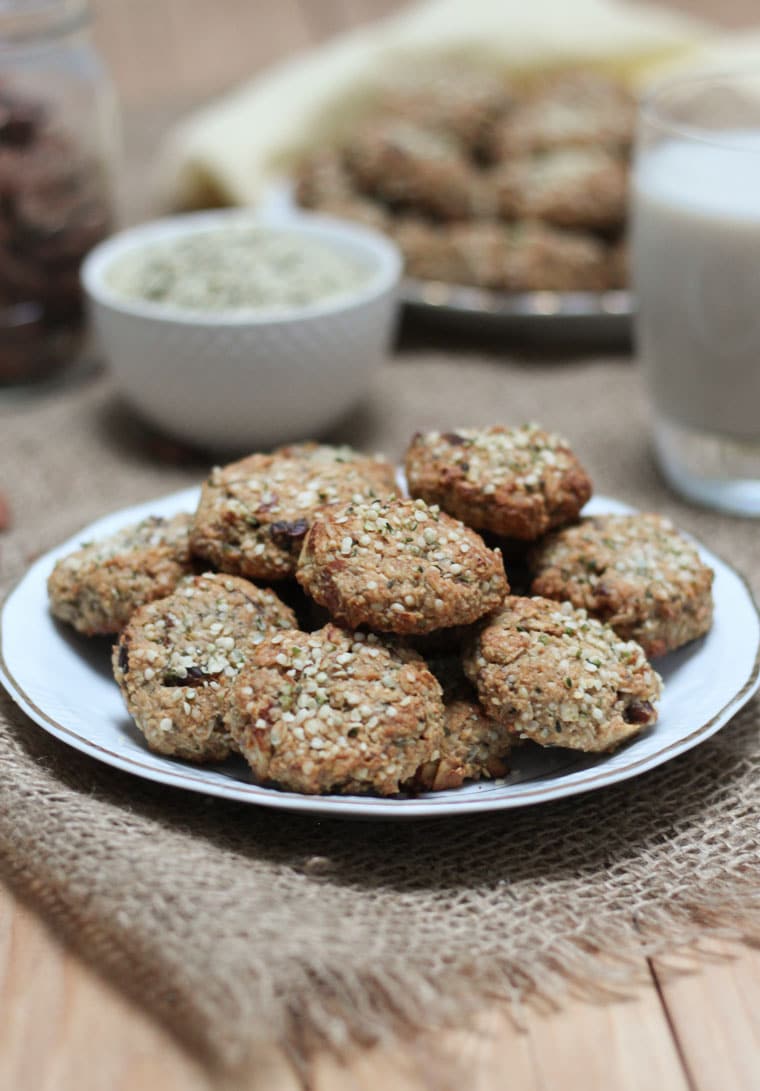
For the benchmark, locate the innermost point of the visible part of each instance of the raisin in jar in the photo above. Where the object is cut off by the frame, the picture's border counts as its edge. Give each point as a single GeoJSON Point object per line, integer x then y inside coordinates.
{"type": "Point", "coordinates": [58, 140]}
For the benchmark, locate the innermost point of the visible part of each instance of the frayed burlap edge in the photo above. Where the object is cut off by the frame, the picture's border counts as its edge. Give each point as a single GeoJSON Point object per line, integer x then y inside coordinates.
{"type": "Point", "coordinates": [341, 1007]}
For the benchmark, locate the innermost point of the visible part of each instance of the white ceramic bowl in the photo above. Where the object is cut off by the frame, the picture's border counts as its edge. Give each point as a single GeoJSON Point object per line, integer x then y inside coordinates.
{"type": "Point", "coordinates": [248, 379]}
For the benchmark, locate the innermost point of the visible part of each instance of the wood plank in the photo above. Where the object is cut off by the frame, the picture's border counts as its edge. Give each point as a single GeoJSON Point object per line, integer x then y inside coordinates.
{"type": "Point", "coordinates": [332, 16]}
{"type": "Point", "coordinates": [67, 1030]}
{"type": "Point", "coordinates": [474, 1059]}
{"type": "Point", "coordinates": [64, 1029]}
{"type": "Point", "coordinates": [735, 13]}
{"type": "Point", "coordinates": [623, 1045]}
{"type": "Point", "coordinates": [715, 1014]}
{"type": "Point", "coordinates": [190, 50]}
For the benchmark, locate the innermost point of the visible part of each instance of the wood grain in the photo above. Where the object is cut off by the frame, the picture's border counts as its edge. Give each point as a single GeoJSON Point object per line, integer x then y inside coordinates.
{"type": "Point", "coordinates": [64, 1029]}
{"type": "Point", "coordinates": [67, 1030]}
{"type": "Point", "coordinates": [714, 1014]}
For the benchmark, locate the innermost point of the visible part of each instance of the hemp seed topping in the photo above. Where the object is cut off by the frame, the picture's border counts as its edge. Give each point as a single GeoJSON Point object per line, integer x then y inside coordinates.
{"type": "Point", "coordinates": [99, 586]}
{"type": "Point", "coordinates": [335, 711]}
{"type": "Point", "coordinates": [253, 514]}
{"type": "Point", "coordinates": [399, 566]}
{"type": "Point", "coordinates": [560, 678]}
{"type": "Point", "coordinates": [515, 482]}
{"type": "Point", "coordinates": [636, 572]}
{"type": "Point", "coordinates": [177, 658]}
{"type": "Point", "coordinates": [235, 268]}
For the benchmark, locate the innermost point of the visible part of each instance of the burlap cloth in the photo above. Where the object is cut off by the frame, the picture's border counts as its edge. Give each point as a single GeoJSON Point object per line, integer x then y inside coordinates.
{"type": "Point", "coordinates": [237, 925]}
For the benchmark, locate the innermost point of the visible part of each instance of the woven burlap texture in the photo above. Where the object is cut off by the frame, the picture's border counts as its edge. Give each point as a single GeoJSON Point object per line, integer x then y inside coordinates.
{"type": "Point", "coordinates": [238, 926]}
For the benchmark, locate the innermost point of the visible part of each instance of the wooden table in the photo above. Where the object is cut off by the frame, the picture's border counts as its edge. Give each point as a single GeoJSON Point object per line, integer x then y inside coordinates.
{"type": "Point", "coordinates": [64, 1029]}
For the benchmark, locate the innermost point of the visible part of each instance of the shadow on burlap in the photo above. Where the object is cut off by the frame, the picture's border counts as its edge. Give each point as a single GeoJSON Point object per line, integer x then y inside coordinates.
{"type": "Point", "coordinates": [239, 926]}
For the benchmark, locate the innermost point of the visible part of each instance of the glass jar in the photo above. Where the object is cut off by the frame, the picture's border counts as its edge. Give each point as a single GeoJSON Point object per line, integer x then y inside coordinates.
{"type": "Point", "coordinates": [58, 145]}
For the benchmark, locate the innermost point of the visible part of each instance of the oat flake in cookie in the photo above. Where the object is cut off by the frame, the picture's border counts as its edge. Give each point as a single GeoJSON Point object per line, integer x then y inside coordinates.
{"type": "Point", "coordinates": [560, 678]}
{"type": "Point", "coordinates": [409, 166]}
{"type": "Point", "coordinates": [176, 659]}
{"type": "Point", "coordinates": [253, 514]}
{"type": "Point", "coordinates": [516, 482]}
{"type": "Point", "coordinates": [636, 572]}
{"type": "Point", "coordinates": [569, 187]}
{"type": "Point", "coordinates": [334, 711]}
{"type": "Point", "coordinates": [474, 745]}
{"type": "Point", "coordinates": [517, 257]}
{"type": "Point", "coordinates": [399, 566]}
{"type": "Point", "coordinates": [98, 587]}
{"type": "Point", "coordinates": [580, 109]}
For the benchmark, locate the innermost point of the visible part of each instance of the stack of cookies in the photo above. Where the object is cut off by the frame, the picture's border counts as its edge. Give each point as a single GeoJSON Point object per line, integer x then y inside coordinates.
{"type": "Point", "coordinates": [344, 637]}
{"type": "Point", "coordinates": [485, 183]}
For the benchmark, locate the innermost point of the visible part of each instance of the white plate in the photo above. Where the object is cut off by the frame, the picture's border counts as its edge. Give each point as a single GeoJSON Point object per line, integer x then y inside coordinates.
{"type": "Point", "coordinates": [64, 683]}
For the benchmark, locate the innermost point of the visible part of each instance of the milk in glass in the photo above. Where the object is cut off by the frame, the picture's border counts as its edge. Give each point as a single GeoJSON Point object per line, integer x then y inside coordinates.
{"type": "Point", "coordinates": [696, 264]}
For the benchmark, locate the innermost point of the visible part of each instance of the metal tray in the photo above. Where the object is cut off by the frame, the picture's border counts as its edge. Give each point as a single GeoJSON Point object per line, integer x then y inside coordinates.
{"type": "Point", "coordinates": [579, 315]}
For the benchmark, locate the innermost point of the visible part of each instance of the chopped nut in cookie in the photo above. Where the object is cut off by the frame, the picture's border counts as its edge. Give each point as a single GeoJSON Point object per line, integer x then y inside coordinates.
{"type": "Point", "coordinates": [561, 678]}
{"type": "Point", "coordinates": [336, 711]}
{"type": "Point", "coordinates": [516, 482]}
{"type": "Point", "coordinates": [400, 566]}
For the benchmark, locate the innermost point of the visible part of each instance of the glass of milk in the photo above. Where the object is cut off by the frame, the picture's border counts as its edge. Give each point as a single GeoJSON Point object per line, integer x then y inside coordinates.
{"type": "Point", "coordinates": [696, 272]}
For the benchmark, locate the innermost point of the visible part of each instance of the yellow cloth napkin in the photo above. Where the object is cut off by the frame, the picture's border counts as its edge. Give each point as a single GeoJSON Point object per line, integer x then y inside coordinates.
{"type": "Point", "coordinates": [229, 151]}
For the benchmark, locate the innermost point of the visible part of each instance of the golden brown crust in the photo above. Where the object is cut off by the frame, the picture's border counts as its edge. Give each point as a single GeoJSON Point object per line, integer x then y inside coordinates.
{"type": "Point", "coordinates": [582, 188]}
{"type": "Point", "coordinates": [324, 183]}
{"type": "Point", "coordinates": [176, 660]}
{"type": "Point", "coordinates": [335, 711]}
{"type": "Point", "coordinates": [515, 482]}
{"type": "Point", "coordinates": [399, 566]}
{"type": "Point", "coordinates": [253, 514]}
{"type": "Point", "coordinates": [636, 572]}
{"type": "Point", "coordinates": [410, 166]}
{"type": "Point", "coordinates": [541, 258]}
{"type": "Point", "coordinates": [522, 257]}
{"type": "Point", "coordinates": [560, 678]}
{"type": "Point", "coordinates": [575, 109]}
{"type": "Point", "coordinates": [619, 263]}
{"type": "Point", "coordinates": [463, 103]}
{"type": "Point", "coordinates": [98, 587]}
{"type": "Point", "coordinates": [489, 186]}
{"type": "Point", "coordinates": [474, 747]}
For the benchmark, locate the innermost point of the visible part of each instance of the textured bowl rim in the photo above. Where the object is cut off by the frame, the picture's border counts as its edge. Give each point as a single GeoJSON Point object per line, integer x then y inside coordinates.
{"type": "Point", "coordinates": [370, 244]}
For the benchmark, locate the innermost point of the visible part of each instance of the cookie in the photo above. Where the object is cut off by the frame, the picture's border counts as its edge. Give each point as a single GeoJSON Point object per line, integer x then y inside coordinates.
{"type": "Point", "coordinates": [178, 656]}
{"type": "Point", "coordinates": [575, 109]}
{"type": "Point", "coordinates": [515, 482]}
{"type": "Point", "coordinates": [583, 188]}
{"type": "Point", "coordinates": [459, 254]}
{"type": "Point", "coordinates": [399, 566]}
{"type": "Point", "coordinates": [463, 103]}
{"type": "Point", "coordinates": [98, 587]}
{"type": "Point", "coordinates": [406, 165]}
{"type": "Point", "coordinates": [335, 711]}
{"type": "Point", "coordinates": [561, 678]}
{"type": "Point", "coordinates": [323, 177]}
{"type": "Point", "coordinates": [474, 745]}
{"type": "Point", "coordinates": [324, 184]}
{"type": "Point", "coordinates": [253, 514]}
{"type": "Point", "coordinates": [619, 264]}
{"type": "Point", "coordinates": [504, 257]}
{"type": "Point", "coordinates": [636, 572]}
{"type": "Point", "coordinates": [541, 258]}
